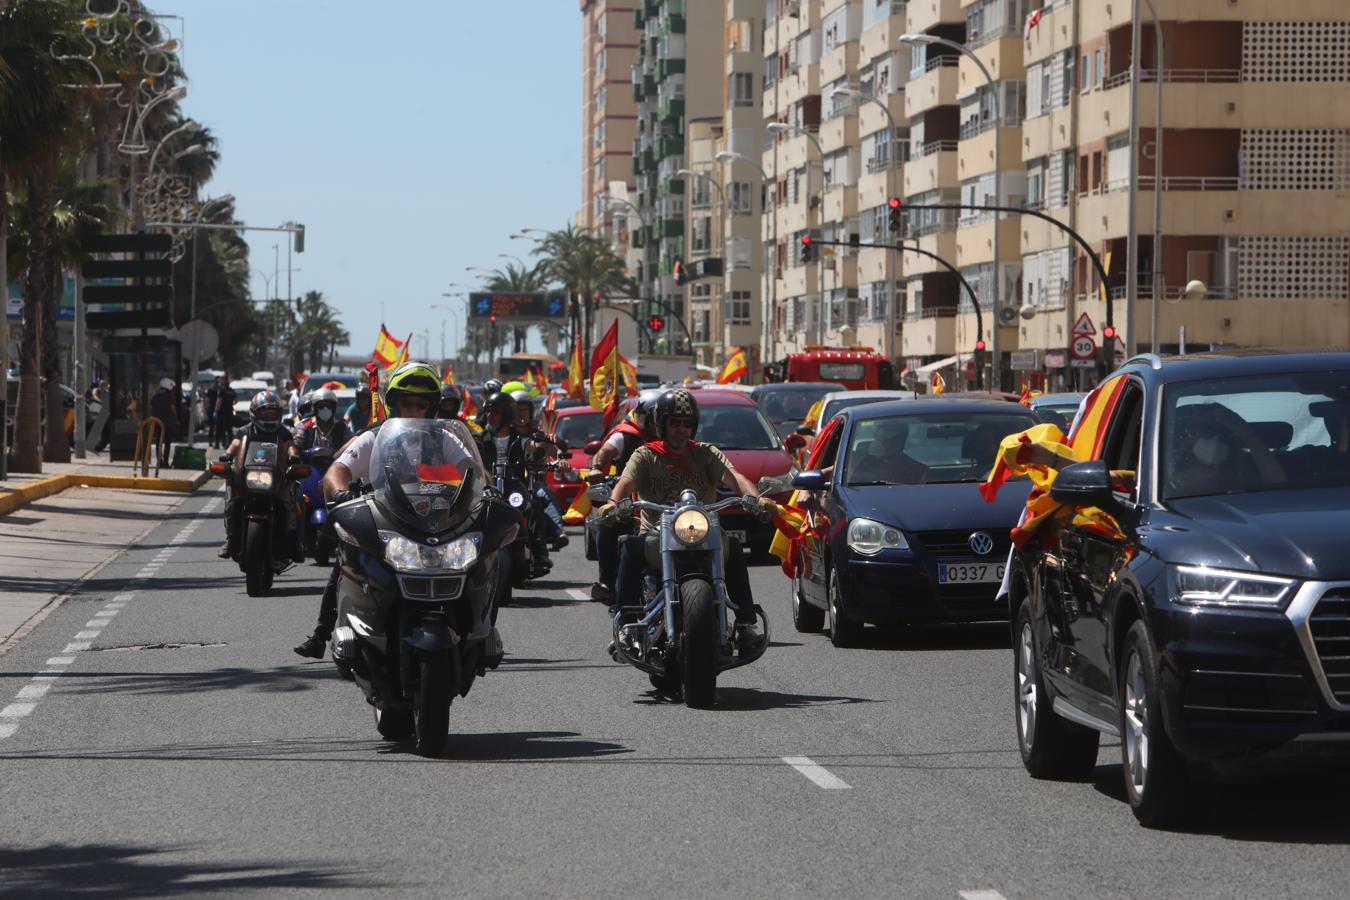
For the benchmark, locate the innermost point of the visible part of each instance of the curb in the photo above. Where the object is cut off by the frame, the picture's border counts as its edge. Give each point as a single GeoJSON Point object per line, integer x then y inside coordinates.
{"type": "Point", "coordinates": [45, 487]}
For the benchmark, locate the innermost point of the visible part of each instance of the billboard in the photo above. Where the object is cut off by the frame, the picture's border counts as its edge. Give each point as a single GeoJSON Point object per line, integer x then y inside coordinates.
{"type": "Point", "coordinates": [517, 306]}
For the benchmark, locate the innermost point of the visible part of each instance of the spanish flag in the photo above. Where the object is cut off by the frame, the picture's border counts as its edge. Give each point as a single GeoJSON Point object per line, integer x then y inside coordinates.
{"type": "Point", "coordinates": [579, 510]}
{"type": "Point", "coordinates": [449, 376]}
{"type": "Point", "coordinates": [445, 473]}
{"type": "Point", "coordinates": [377, 410]}
{"type": "Point", "coordinates": [605, 375]}
{"type": "Point", "coordinates": [541, 381]}
{"type": "Point", "coordinates": [573, 382]}
{"type": "Point", "coordinates": [1087, 438]}
{"type": "Point", "coordinates": [402, 353]}
{"type": "Point", "coordinates": [629, 371]}
{"type": "Point", "coordinates": [736, 366]}
{"type": "Point", "coordinates": [387, 349]}
{"type": "Point", "coordinates": [548, 417]}
{"type": "Point", "coordinates": [939, 384]}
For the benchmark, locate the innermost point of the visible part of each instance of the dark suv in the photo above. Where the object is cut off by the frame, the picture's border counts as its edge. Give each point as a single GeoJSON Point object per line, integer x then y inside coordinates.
{"type": "Point", "coordinates": [1205, 617]}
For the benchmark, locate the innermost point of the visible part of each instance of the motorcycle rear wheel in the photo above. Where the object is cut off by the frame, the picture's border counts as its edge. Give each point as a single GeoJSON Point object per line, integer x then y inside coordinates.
{"type": "Point", "coordinates": [698, 643]}
{"type": "Point", "coordinates": [257, 565]}
{"type": "Point", "coordinates": [431, 707]}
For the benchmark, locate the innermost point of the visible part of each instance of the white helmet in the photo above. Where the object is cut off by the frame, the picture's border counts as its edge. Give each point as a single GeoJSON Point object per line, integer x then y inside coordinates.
{"type": "Point", "coordinates": [166, 383]}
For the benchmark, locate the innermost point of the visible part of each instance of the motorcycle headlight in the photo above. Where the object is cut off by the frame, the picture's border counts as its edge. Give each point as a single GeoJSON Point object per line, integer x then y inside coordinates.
{"type": "Point", "coordinates": [258, 480]}
{"type": "Point", "coordinates": [691, 527]}
{"type": "Point", "coordinates": [1202, 586]}
{"type": "Point", "coordinates": [870, 537]}
{"type": "Point", "coordinates": [516, 499]}
{"type": "Point", "coordinates": [407, 555]}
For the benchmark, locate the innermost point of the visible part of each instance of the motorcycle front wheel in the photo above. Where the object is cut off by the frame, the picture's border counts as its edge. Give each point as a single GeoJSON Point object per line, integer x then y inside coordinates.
{"type": "Point", "coordinates": [257, 561]}
{"type": "Point", "coordinates": [699, 654]}
{"type": "Point", "coordinates": [431, 708]}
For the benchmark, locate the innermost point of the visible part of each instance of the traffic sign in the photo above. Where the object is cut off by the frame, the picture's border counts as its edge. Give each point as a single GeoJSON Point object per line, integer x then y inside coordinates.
{"type": "Point", "coordinates": [1118, 351]}
{"type": "Point", "coordinates": [126, 268]}
{"type": "Point", "coordinates": [1084, 325]}
{"type": "Point", "coordinates": [1083, 347]}
{"type": "Point", "coordinates": [528, 306]}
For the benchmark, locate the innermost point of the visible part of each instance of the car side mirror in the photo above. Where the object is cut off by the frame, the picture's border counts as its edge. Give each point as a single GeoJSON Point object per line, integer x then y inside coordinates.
{"type": "Point", "coordinates": [592, 447]}
{"type": "Point", "coordinates": [1084, 484]}
{"type": "Point", "coordinates": [811, 480]}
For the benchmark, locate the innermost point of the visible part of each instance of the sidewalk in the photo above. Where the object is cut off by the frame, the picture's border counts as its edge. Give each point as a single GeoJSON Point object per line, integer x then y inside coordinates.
{"type": "Point", "coordinates": [95, 471]}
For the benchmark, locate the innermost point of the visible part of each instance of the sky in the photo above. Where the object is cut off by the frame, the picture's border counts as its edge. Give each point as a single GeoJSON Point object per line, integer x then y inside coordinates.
{"type": "Point", "coordinates": [410, 137]}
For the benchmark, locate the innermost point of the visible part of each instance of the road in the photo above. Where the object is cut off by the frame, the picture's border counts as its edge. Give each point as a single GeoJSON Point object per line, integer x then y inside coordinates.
{"type": "Point", "coordinates": [158, 737]}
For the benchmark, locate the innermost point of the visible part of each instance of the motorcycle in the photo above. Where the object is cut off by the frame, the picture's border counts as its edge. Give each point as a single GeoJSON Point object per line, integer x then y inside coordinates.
{"type": "Point", "coordinates": [266, 479]}
{"type": "Point", "coordinates": [317, 541]}
{"type": "Point", "coordinates": [420, 554]}
{"type": "Point", "coordinates": [516, 481]}
{"type": "Point", "coordinates": [679, 636]}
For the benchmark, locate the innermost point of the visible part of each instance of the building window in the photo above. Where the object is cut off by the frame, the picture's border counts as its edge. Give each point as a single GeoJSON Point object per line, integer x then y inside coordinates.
{"type": "Point", "coordinates": [1100, 73]}
{"type": "Point", "coordinates": [738, 308]}
{"type": "Point", "coordinates": [600, 63]}
{"type": "Point", "coordinates": [700, 192]}
{"type": "Point", "coordinates": [741, 89]}
{"type": "Point", "coordinates": [739, 198]}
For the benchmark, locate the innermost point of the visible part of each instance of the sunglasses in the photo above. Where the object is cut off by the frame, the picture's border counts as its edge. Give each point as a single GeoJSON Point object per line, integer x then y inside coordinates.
{"type": "Point", "coordinates": [680, 422]}
{"type": "Point", "coordinates": [416, 402]}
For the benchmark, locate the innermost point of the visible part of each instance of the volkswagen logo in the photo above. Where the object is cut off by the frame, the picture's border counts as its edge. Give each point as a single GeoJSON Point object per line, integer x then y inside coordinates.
{"type": "Point", "coordinates": [432, 540]}
{"type": "Point", "coordinates": [981, 543]}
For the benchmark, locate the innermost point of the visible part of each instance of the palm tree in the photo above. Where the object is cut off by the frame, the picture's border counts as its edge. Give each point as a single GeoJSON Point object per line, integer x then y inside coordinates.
{"type": "Point", "coordinates": [318, 333]}
{"type": "Point", "coordinates": [586, 266]}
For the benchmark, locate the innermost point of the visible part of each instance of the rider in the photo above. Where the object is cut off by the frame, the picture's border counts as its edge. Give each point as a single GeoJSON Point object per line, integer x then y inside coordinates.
{"type": "Point", "coordinates": [325, 429]}
{"type": "Point", "coordinates": [659, 472]}
{"type": "Point", "coordinates": [450, 402]}
{"type": "Point", "coordinates": [264, 425]}
{"type": "Point", "coordinates": [413, 391]}
{"type": "Point", "coordinates": [634, 431]}
{"type": "Point", "coordinates": [358, 417]}
{"type": "Point", "coordinates": [525, 425]}
{"type": "Point", "coordinates": [491, 387]}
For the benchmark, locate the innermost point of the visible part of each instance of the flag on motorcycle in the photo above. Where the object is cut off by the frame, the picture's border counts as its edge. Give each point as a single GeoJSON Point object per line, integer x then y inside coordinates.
{"type": "Point", "coordinates": [630, 381]}
{"type": "Point", "coordinates": [377, 410]}
{"type": "Point", "coordinates": [574, 380]}
{"type": "Point", "coordinates": [737, 365]}
{"type": "Point", "coordinates": [387, 349]}
{"type": "Point", "coordinates": [449, 376]}
{"type": "Point", "coordinates": [468, 410]}
{"type": "Point", "coordinates": [605, 375]}
{"type": "Point", "coordinates": [939, 384]}
{"type": "Point", "coordinates": [444, 473]}
{"type": "Point", "coordinates": [580, 508]}
{"type": "Point", "coordinates": [548, 416]}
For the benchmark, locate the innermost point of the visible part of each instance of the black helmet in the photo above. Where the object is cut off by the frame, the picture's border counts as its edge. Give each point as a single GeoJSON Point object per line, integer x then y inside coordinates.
{"type": "Point", "coordinates": [362, 390]}
{"type": "Point", "coordinates": [492, 386]}
{"type": "Point", "coordinates": [522, 397]}
{"type": "Point", "coordinates": [502, 404]}
{"type": "Point", "coordinates": [646, 403]}
{"type": "Point", "coordinates": [679, 403]}
{"type": "Point", "coordinates": [450, 402]}
{"type": "Point", "coordinates": [264, 411]}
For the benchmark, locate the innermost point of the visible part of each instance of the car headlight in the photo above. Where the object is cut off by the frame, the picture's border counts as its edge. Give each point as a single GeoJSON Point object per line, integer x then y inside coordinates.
{"type": "Point", "coordinates": [516, 499]}
{"type": "Point", "coordinates": [870, 537]}
{"type": "Point", "coordinates": [258, 480]}
{"type": "Point", "coordinates": [407, 555]}
{"type": "Point", "coordinates": [1203, 586]}
{"type": "Point", "coordinates": [691, 527]}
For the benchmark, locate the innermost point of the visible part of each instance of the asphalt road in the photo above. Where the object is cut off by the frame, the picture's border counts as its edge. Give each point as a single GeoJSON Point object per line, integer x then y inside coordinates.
{"type": "Point", "coordinates": [188, 751]}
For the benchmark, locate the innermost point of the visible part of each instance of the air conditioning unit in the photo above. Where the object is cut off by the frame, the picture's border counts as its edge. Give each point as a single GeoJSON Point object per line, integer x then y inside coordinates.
{"type": "Point", "coordinates": [794, 8]}
{"type": "Point", "coordinates": [1007, 315]}
{"type": "Point", "coordinates": [793, 68]}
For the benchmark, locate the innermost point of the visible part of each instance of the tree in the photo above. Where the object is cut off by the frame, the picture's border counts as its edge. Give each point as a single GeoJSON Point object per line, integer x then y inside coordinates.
{"type": "Point", "coordinates": [586, 266]}
{"type": "Point", "coordinates": [318, 332]}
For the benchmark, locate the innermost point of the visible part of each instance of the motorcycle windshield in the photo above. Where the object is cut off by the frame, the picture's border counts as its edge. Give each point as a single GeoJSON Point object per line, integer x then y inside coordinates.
{"type": "Point", "coordinates": [426, 473]}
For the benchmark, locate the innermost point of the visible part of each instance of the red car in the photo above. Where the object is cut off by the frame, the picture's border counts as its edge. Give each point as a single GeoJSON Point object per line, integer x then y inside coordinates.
{"type": "Point", "coordinates": [577, 426]}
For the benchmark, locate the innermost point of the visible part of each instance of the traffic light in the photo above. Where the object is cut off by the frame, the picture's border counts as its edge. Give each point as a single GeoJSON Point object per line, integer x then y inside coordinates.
{"type": "Point", "coordinates": [979, 363]}
{"type": "Point", "coordinates": [1108, 348]}
{"type": "Point", "coordinates": [897, 214]}
{"type": "Point", "coordinates": [656, 323]}
{"type": "Point", "coordinates": [808, 249]}
{"type": "Point", "coordinates": [492, 319]}
{"type": "Point", "coordinates": [1108, 333]}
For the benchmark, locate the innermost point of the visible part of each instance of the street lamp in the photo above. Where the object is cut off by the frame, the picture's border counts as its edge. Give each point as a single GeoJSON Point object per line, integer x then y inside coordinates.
{"type": "Point", "coordinates": [190, 123]}
{"type": "Point", "coordinates": [922, 40]}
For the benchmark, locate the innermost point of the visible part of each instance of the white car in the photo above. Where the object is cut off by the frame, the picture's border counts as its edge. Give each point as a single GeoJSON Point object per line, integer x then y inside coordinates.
{"type": "Point", "coordinates": [839, 401]}
{"type": "Point", "coordinates": [245, 389]}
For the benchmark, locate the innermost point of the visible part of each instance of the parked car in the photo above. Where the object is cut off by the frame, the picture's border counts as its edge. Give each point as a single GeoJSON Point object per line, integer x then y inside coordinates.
{"type": "Point", "coordinates": [1203, 614]}
{"type": "Point", "coordinates": [1057, 409]}
{"type": "Point", "coordinates": [350, 379]}
{"type": "Point", "coordinates": [785, 405]}
{"type": "Point", "coordinates": [902, 532]}
{"type": "Point", "coordinates": [265, 377]}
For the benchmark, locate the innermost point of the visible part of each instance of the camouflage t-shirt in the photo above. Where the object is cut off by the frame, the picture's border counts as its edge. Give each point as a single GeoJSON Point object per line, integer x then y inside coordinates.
{"type": "Point", "coordinates": [660, 479]}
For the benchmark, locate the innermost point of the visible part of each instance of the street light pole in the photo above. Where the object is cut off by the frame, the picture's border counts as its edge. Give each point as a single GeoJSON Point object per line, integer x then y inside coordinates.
{"type": "Point", "coordinates": [192, 315]}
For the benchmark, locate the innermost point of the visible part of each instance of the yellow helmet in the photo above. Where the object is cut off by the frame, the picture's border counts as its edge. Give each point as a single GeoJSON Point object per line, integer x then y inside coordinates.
{"type": "Point", "coordinates": [413, 379]}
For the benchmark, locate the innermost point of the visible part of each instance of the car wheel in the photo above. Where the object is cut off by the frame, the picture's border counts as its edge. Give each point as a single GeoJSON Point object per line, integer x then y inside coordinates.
{"type": "Point", "coordinates": [1051, 747]}
{"type": "Point", "coordinates": [807, 619]}
{"type": "Point", "coordinates": [843, 632]}
{"type": "Point", "coordinates": [1155, 773]}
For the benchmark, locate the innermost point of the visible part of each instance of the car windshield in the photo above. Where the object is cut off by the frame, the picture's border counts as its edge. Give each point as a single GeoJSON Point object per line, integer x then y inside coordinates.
{"type": "Point", "coordinates": [932, 448]}
{"type": "Point", "coordinates": [245, 394]}
{"type": "Point", "coordinates": [580, 429]}
{"type": "Point", "coordinates": [425, 472]}
{"type": "Point", "coordinates": [834, 407]}
{"type": "Point", "coordinates": [787, 407]}
{"type": "Point", "coordinates": [735, 428]}
{"type": "Point", "coordinates": [1255, 433]}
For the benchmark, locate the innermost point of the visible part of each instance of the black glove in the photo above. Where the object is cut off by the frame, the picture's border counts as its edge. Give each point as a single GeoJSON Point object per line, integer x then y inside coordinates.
{"type": "Point", "coordinates": [343, 496]}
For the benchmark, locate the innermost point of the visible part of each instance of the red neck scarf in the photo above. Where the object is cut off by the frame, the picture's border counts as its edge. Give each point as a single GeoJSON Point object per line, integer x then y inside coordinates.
{"type": "Point", "coordinates": [674, 458]}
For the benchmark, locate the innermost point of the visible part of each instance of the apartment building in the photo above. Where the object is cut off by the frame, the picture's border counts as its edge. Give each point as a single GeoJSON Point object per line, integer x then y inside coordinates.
{"type": "Point", "coordinates": [609, 111]}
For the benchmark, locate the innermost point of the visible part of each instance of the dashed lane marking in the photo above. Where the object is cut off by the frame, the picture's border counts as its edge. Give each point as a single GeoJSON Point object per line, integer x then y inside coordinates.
{"type": "Point", "coordinates": [579, 593]}
{"type": "Point", "coordinates": [817, 773]}
{"type": "Point", "coordinates": [38, 686]}
{"type": "Point", "coordinates": [984, 894]}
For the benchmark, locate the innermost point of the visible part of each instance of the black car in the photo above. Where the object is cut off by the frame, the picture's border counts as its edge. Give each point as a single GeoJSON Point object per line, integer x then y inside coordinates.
{"type": "Point", "coordinates": [1204, 615]}
{"type": "Point", "coordinates": [904, 535]}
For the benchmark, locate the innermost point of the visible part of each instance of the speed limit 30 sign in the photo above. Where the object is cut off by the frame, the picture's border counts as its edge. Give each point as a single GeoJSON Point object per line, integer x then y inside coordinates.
{"type": "Point", "coordinates": [1083, 347]}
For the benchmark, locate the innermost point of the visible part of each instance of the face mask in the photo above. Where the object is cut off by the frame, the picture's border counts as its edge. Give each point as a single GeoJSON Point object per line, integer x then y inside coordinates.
{"type": "Point", "coordinates": [1210, 451]}
{"type": "Point", "coordinates": [324, 414]}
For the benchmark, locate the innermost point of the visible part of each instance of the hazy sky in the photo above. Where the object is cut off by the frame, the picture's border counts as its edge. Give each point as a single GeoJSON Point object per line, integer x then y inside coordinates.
{"type": "Point", "coordinates": [410, 137]}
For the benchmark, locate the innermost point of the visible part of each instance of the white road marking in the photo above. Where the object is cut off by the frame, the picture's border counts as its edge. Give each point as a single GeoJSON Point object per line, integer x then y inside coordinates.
{"type": "Point", "coordinates": [817, 773]}
{"type": "Point", "coordinates": [579, 593]}
{"type": "Point", "coordinates": [40, 684]}
{"type": "Point", "coordinates": [982, 895]}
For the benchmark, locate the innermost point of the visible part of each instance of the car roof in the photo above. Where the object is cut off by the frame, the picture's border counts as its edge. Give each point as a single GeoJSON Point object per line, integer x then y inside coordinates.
{"type": "Point", "coordinates": [924, 406]}
{"type": "Point", "coordinates": [1057, 399]}
{"type": "Point", "coordinates": [575, 410]}
{"type": "Point", "coordinates": [1230, 363]}
{"type": "Point", "coordinates": [248, 383]}
{"type": "Point", "coordinates": [868, 395]}
{"type": "Point", "coordinates": [723, 398]}
{"type": "Point", "coordinates": [796, 385]}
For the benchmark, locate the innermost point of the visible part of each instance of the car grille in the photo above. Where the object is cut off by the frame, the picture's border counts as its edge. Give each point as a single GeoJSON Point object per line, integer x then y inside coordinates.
{"type": "Point", "coordinates": [1330, 624]}
{"type": "Point", "coordinates": [972, 598]}
{"type": "Point", "coordinates": [955, 544]}
{"type": "Point", "coordinates": [431, 589]}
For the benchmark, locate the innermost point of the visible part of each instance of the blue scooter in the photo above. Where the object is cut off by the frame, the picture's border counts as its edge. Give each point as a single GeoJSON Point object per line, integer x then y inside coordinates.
{"type": "Point", "coordinates": [318, 541]}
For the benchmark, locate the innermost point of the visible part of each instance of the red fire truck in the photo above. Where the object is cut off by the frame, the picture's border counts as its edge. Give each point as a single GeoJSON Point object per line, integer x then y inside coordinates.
{"type": "Point", "coordinates": [856, 368]}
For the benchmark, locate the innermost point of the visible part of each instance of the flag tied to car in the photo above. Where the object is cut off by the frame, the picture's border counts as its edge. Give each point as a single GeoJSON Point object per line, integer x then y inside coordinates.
{"type": "Point", "coordinates": [605, 375]}
{"type": "Point", "coordinates": [794, 537]}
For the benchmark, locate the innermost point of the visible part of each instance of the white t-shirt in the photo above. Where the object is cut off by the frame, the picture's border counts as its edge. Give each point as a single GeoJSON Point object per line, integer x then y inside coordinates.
{"type": "Point", "coordinates": [294, 402]}
{"type": "Point", "coordinates": [356, 456]}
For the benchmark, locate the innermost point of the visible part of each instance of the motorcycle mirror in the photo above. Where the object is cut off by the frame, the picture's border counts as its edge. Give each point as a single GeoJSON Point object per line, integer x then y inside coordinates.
{"type": "Point", "coordinates": [539, 437]}
{"type": "Point", "coordinates": [300, 471]}
{"type": "Point", "coordinates": [599, 493]}
{"type": "Point", "coordinates": [592, 447]}
{"type": "Point", "coordinates": [769, 484]}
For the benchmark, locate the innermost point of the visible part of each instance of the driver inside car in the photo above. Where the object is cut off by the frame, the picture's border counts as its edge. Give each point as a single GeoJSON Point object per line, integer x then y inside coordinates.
{"type": "Point", "coordinates": [658, 472]}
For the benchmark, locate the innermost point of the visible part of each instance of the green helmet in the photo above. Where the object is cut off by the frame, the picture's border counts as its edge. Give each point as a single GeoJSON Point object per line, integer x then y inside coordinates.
{"type": "Point", "coordinates": [413, 379]}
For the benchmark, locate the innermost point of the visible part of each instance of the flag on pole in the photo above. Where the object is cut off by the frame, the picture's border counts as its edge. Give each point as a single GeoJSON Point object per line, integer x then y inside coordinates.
{"type": "Point", "coordinates": [449, 376]}
{"type": "Point", "coordinates": [736, 366]}
{"type": "Point", "coordinates": [548, 416]}
{"type": "Point", "coordinates": [377, 410]}
{"type": "Point", "coordinates": [939, 384]}
{"type": "Point", "coordinates": [605, 375]}
{"type": "Point", "coordinates": [402, 356]}
{"type": "Point", "coordinates": [541, 380]}
{"type": "Point", "coordinates": [573, 382]}
{"type": "Point", "coordinates": [387, 349]}
{"type": "Point", "coordinates": [1033, 20]}
{"type": "Point", "coordinates": [629, 371]}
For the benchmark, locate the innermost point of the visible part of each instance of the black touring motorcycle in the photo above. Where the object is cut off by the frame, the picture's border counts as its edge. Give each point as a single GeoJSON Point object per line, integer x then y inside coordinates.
{"type": "Point", "coordinates": [263, 479]}
{"type": "Point", "coordinates": [419, 556]}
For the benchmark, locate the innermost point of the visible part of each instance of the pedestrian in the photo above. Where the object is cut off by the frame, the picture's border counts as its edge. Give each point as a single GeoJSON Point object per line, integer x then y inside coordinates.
{"type": "Point", "coordinates": [209, 410]}
{"type": "Point", "coordinates": [162, 407]}
{"type": "Point", "coordinates": [224, 426]}
{"type": "Point", "coordinates": [98, 395]}
{"type": "Point", "coordinates": [293, 401]}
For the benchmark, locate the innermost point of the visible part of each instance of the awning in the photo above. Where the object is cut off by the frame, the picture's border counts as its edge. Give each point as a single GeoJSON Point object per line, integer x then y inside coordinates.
{"type": "Point", "coordinates": [932, 367]}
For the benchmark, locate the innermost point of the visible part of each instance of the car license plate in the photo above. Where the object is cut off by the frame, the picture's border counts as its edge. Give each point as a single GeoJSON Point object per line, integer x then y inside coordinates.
{"type": "Point", "coordinates": [969, 573]}
{"type": "Point", "coordinates": [736, 535]}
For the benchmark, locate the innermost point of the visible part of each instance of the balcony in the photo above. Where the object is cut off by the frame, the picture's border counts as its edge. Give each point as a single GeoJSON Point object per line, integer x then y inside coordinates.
{"type": "Point", "coordinates": [933, 87]}
{"type": "Point", "coordinates": [672, 108]}
{"type": "Point", "coordinates": [930, 332]}
{"type": "Point", "coordinates": [668, 67]}
{"type": "Point", "coordinates": [669, 147]}
{"type": "Point", "coordinates": [925, 15]}
{"type": "Point", "coordinates": [933, 168]}
{"type": "Point", "coordinates": [975, 154]}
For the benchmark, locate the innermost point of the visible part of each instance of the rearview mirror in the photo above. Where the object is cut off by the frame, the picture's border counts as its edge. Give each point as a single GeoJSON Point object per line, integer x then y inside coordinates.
{"type": "Point", "coordinates": [1084, 484]}
{"type": "Point", "coordinates": [593, 447]}
{"type": "Point", "coordinates": [811, 480]}
{"type": "Point", "coordinates": [769, 484]}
